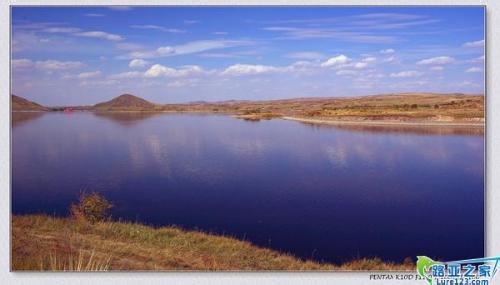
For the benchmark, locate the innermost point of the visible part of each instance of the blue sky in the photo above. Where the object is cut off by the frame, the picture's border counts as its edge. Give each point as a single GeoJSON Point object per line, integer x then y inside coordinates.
{"type": "Point", "coordinates": [80, 55]}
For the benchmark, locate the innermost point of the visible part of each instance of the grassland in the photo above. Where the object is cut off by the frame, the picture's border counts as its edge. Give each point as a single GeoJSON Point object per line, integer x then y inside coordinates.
{"type": "Point", "coordinates": [402, 108]}
{"type": "Point", "coordinates": [41, 242]}
{"type": "Point", "coordinates": [411, 108]}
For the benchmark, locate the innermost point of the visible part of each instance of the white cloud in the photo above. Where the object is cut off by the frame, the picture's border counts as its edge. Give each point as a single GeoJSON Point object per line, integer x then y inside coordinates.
{"type": "Point", "coordinates": [387, 51]}
{"type": "Point", "coordinates": [369, 59]}
{"type": "Point", "coordinates": [191, 22]}
{"type": "Point", "coordinates": [21, 63]}
{"type": "Point", "coordinates": [406, 74]}
{"type": "Point", "coordinates": [474, 70]}
{"type": "Point", "coordinates": [220, 33]}
{"type": "Point", "coordinates": [105, 82]}
{"type": "Point", "coordinates": [126, 75]}
{"type": "Point", "coordinates": [158, 70]}
{"type": "Point", "coordinates": [100, 35]}
{"type": "Point", "coordinates": [46, 64]}
{"type": "Point", "coordinates": [360, 65]}
{"type": "Point", "coordinates": [189, 48]}
{"type": "Point", "coordinates": [93, 15]}
{"type": "Point", "coordinates": [437, 68]}
{"type": "Point", "coordinates": [61, 30]}
{"type": "Point", "coordinates": [138, 63]}
{"type": "Point", "coordinates": [479, 59]}
{"type": "Point", "coordinates": [244, 69]}
{"type": "Point", "coordinates": [166, 50]}
{"type": "Point", "coordinates": [199, 46]}
{"type": "Point", "coordinates": [474, 44]}
{"type": "Point", "coordinates": [330, 33]}
{"type": "Point", "coordinates": [91, 74]}
{"type": "Point", "coordinates": [346, 72]}
{"type": "Point", "coordinates": [336, 61]}
{"type": "Point", "coordinates": [159, 28]}
{"type": "Point", "coordinates": [439, 60]}
{"type": "Point", "coordinates": [309, 55]}
{"type": "Point", "coordinates": [389, 59]}
{"type": "Point", "coordinates": [57, 65]}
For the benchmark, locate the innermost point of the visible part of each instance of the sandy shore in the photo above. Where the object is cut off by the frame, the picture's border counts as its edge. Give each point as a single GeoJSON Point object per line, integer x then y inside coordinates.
{"type": "Point", "coordinates": [387, 123]}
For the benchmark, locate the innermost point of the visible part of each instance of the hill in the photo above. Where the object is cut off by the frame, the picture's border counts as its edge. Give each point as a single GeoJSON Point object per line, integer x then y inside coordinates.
{"type": "Point", "coordinates": [48, 243]}
{"type": "Point", "coordinates": [125, 102]}
{"type": "Point", "coordinates": [22, 104]}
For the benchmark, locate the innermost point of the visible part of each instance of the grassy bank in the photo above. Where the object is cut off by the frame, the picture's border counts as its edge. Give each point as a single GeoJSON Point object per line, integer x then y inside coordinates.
{"type": "Point", "coordinates": [46, 243]}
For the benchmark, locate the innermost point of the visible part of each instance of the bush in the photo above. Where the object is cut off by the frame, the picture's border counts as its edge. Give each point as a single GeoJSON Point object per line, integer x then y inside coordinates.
{"type": "Point", "coordinates": [91, 208]}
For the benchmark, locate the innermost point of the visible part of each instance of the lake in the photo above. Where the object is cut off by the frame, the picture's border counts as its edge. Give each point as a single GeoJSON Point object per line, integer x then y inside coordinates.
{"type": "Point", "coordinates": [318, 192]}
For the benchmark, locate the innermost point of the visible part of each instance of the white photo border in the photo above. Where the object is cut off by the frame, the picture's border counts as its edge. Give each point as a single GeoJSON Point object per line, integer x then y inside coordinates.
{"type": "Point", "coordinates": [492, 152]}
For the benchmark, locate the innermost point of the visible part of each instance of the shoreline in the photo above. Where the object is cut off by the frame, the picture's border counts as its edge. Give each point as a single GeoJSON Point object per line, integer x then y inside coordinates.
{"type": "Point", "coordinates": [289, 118]}
{"type": "Point", "coordinates": [386, 123]}
{"type": "Point", "coordinates": [40, 242]}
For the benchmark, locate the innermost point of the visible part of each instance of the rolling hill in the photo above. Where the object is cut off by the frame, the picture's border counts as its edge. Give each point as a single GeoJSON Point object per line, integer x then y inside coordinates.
{"type": "Point", "coordinates": [125, 102]}
{"type": "Point", "coordinates": [22, 104]}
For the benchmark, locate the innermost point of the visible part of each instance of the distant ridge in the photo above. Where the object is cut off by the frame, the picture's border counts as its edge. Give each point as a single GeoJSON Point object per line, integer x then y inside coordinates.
{"type": "Point", "coordinates": [125, 102]}
{"type": "Point", "coordinates": [22, 104]}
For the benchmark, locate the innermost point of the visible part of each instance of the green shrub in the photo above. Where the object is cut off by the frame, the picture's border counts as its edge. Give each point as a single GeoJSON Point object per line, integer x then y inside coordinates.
{"type": "Point", "coordinates": [91, 208]}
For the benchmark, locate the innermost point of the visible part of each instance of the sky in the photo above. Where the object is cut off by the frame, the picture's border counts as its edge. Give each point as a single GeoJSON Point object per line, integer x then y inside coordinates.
{"type": "Point", "coordinates": [85, 55]}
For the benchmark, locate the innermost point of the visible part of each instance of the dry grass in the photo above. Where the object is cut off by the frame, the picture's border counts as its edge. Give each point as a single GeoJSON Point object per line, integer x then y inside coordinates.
{"type": "Point", "coordinates": [83, 261]}
{"type": "Point", "coordinates": [46, 243]}
{"type": "Point", "coordinates": [404, 107]}
{"type": "Point", "coordinates": [413, 107]}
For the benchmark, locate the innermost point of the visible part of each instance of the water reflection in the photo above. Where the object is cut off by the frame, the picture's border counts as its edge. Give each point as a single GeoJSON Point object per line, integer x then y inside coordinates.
{"type": "Point", "coordinates": [422, 130]}
{"type": "Point", "coordinates": [328, 192]}
{"type": "Point", "coordinates": [18, 118]}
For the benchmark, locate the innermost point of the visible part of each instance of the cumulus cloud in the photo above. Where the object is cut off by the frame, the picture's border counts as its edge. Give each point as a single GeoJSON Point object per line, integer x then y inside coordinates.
{"type": "Point", "coordinates": [245, 69]}
{"type": "Point", "coordinates": [387, 51]}
{"type": "Point", "coordinates": [165, 50]}
{"type": "Point", "coordinates": [439, 60]}
{"type": "Point", "coordinates": [159, 70]}
{"type": "Point", "coordinates": [360, 65]}
{"type": "Point", "coordinates": [100, 35]}
{"type": "Point", "coordinates": [474, 70]}
{"type": "Point", "coordinates": [474, 44]}
{"type": "Point", "coordinates": [336, 61]}
{"type": "Point", "coordinates": [138, 63]}
{"type": "Point", "coordinates": [406, 74]}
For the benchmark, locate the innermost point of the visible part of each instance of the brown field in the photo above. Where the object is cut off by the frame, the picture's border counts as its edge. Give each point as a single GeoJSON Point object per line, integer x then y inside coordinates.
{"type": "Point", "coordinates": [412, 108]}
{"type": "Point", "coordinates": [46, 243]}
{"type": "Point", "coordinates": [416, 108]}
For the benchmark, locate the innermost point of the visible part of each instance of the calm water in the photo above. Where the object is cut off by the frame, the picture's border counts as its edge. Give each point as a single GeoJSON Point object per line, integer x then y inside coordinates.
{"type": "Point", "coordinates": [326, 193]}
